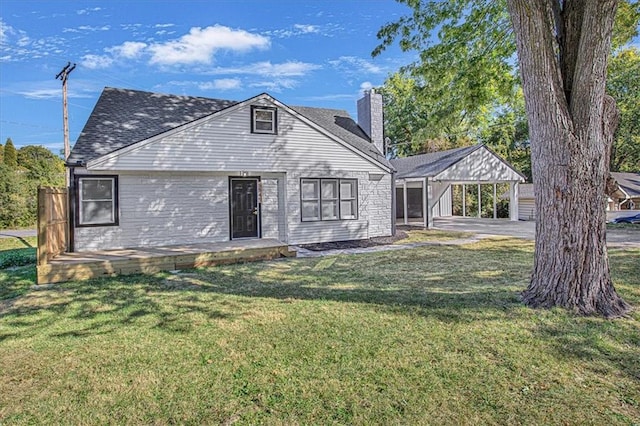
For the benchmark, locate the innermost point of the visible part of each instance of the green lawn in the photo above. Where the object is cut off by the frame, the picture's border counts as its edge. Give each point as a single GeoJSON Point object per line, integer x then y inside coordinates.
{"type": "Point", "coordinates": [17, 252]}
{"type": "Point", "coordinates": [432, 335]}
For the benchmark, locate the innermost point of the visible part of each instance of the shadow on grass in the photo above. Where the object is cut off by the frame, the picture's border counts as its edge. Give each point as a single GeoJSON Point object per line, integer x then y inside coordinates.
{"type": "Point", "coordinates": [456, 285]}
{"type": "Point", "coordinates": [451, 284]}
{"type": "Point", "coordinates": [607, 345]}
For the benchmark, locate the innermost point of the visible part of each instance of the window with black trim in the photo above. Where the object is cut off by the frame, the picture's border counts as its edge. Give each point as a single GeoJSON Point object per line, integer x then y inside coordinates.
{"type": "Point", "coordinates": [328, 199]}
{"type": "Point", "coordinates": [97, 200]}
{"type": "Point", "coordinates": [264, 120]}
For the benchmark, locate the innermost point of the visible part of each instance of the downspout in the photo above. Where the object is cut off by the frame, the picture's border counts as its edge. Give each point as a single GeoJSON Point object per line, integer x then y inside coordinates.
{"type": "Point", "coordinates": [393, 202]}
{"type": "Point", "coordinates": [72, 207]}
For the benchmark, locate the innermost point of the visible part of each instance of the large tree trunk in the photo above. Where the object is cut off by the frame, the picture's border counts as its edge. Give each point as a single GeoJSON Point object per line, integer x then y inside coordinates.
{"type": "Point", "coordinates": [563, 48]}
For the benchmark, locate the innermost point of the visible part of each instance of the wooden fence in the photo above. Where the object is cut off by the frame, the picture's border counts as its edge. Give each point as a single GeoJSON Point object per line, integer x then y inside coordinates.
{"type": "Point", "coordinates": [53, 217]}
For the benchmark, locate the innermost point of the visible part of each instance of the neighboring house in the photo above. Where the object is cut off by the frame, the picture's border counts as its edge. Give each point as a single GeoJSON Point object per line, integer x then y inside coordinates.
{"type": "Point", "coordinates": [424, 182]}
{"type": "Point", "coordinates": [629, 191]}
{"type": "Point", "coordinates": [526, 202]}
{"type": "Point", "coordinates": [628, 194]}
{"type": "Point", "coordinates": [151, 169]}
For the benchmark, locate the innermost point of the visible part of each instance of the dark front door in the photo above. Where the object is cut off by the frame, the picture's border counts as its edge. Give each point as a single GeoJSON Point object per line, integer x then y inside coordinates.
{"type": "Point", "coordinates": [245, 214]}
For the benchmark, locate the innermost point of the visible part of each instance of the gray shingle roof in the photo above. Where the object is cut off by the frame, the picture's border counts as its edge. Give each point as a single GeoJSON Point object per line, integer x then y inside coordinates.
{"type": "Point", "coordinates": [428, 165]}
{"type": "Point", "coordinates": [630, 182]}
{"type": "Point", "coordinates": [123, 117]}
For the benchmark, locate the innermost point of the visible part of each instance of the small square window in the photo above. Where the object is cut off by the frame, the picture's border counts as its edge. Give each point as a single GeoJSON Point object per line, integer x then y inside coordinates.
{"type": "Point", "coordinates": [264, 120]}
{"type": "Point", "coordinates": [97, 201]}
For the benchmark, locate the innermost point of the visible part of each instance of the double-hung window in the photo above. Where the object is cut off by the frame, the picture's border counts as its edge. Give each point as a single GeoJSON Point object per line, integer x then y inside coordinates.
{"type": "Point", "coordinates": [264, 120]}
{"type": "Point", "coordinates": [328, 199]}
{"type": "Point", "coordinates": [97, 201]}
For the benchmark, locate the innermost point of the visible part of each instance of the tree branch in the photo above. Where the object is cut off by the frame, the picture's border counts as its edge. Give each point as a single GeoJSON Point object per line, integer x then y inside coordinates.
{"type": "Point", "coordinates": [590, 67]}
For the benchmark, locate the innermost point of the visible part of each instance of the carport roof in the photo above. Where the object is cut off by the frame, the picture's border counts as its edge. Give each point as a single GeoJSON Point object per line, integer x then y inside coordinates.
{"type": "Point", "coordinates": [431, 164]}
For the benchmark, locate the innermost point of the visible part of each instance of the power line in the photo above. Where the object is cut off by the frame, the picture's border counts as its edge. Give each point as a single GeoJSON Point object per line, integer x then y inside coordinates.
{"type": "Point", "coordinates": [35, 126]}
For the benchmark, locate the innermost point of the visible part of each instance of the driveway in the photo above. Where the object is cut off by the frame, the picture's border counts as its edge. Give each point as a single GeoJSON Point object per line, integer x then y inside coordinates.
{"type": "Point", "coordinates": [525, 229]}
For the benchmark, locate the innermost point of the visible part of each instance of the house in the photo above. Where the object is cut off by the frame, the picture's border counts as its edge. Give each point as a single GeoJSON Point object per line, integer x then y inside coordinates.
{"type": "Point", "coordinates": [627, 197]}
{"type": "Point", "coordinates": [526, 202]}
{"type": "Point", "coordinates": [424, 182]}
{"type": "Point", "coordinates": [628, 191]}
{"type": "Point", "coordinates": [151, 170]}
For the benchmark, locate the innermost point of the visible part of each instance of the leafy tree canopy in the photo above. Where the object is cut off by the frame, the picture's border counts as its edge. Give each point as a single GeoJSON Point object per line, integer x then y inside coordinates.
{"type": "Point", "coordinates": [464, 87]}
{"type": "Point", "coordinates": [623, 84]}
{"type": "Point", "coordinates": [42, 165]}
{"type": "Point", "coordinates": [35, 166]}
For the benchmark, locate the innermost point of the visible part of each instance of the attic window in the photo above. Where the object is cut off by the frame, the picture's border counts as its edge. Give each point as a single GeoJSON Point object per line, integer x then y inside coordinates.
{"type": "Point", "coordinates": [264, 120]}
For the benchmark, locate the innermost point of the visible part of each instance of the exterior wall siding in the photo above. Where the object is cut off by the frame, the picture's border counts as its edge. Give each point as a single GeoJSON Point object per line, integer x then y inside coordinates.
{"type": "Point", "coordinates": [480, 165]}
{"type": "Point", "coordinates": [175, 190]}
{"type": "Point", "coordinates": [163, 209]}
{"type": "Point", "coordinates": [526, 209]}
{"type": "Point", "coordinates": [270, 208]}
{"type": "Point", "coordinates": [225, 143]}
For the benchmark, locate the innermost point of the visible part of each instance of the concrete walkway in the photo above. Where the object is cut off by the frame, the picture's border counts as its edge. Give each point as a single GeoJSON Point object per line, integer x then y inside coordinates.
{"type": "Point", "coordinates": [481, 228]}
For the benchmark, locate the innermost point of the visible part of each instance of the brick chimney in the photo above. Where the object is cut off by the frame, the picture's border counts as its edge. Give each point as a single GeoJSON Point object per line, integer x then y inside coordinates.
{"type": "Point", "coordinates": [370, 118]}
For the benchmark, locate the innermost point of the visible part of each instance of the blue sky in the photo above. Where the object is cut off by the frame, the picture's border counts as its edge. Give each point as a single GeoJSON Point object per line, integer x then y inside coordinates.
{"type": "Point", "coordinates": [313, 53]}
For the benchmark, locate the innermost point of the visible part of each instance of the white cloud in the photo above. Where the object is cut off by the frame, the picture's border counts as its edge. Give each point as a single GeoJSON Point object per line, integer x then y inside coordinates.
{"type": "Point", "coordinates": [5, 31]}
{"type": "Point", "coordinates": [16, 45]}
{"type": "Point", "coordinates": [365, 85]}
{"type": "Point", "coordinates": [93, 29]}
{"type": "Point", "coordinates": [23, 41]}
{"type": "Point", "coordinates": [88, 10]}
{"type": "Point", "coordinates": [128, 49]}
{"type": "Point", "coordinates": [42, 93]}
{"type": "Point", "coordinates": [163, 25]}
{"type": "Point", "coordinates": [289, 69]}
{"type": "Point", "coordinates": [86, 28]}
{"type": "Point", "coordinates": [336, 97]}
{"type": "Point", "coordinates": [53, 90]}
{"type": "Point", "coordinates": [276, 85]}
{"type": "Point", "coordinates": [306, 29]}
{"type": "Point", "coordinates": [200, 45]}
{"type": "Point", "coordinates": [96, 61]}
{"type": "Point", "coordinates": [356, 64]}
{"type": "Point", "coordinates": [221, 84]}
{"type": "Point", "coordinates": [267, 69]}
{"type": "Point", "coordinates": [326, 30]}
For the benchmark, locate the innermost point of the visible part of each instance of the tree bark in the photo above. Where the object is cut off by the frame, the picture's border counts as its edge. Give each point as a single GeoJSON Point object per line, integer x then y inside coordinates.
{"type": "Point", "coordinates": [570, 128]}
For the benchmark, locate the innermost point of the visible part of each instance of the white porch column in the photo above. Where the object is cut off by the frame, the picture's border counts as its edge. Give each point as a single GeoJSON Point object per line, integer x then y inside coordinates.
{"type": "Point", "coordinates": [464, 200]}
{"type": "Point", "coordinates": [431, 196]}
{"type": "Point", "coordinates": [425, 203]}
{"type": "Point", "coordinates": [404, 201]}
{"type": "Point", "coordinates": [495, 213]}
{"type": "Point", "coordinates": [479, 202]}
{"type": "Point", "coordinates": [513, 200]}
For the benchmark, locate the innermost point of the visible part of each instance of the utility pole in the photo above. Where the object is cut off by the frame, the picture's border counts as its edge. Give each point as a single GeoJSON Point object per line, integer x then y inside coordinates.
{"type": "Point", "coordinates": [63, 76]}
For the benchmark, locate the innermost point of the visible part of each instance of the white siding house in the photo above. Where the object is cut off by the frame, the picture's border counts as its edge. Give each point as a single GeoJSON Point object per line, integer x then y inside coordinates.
{"type": "Point", "coordinates": [154, 170]}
